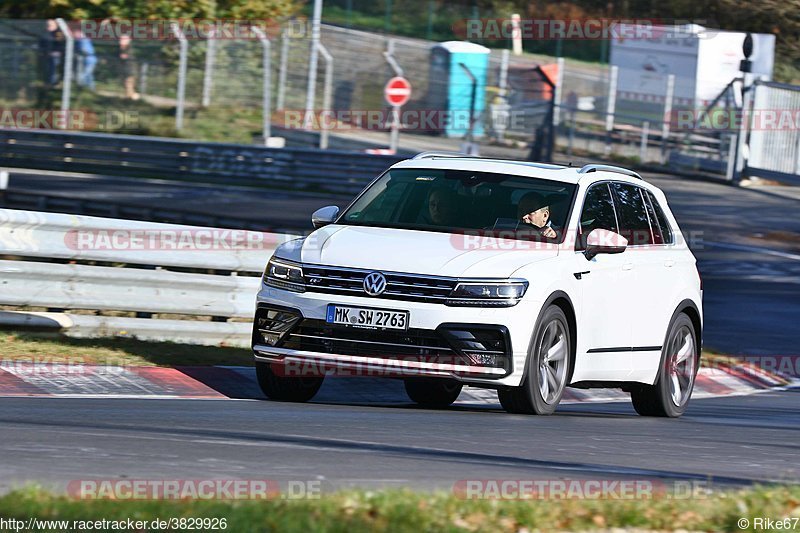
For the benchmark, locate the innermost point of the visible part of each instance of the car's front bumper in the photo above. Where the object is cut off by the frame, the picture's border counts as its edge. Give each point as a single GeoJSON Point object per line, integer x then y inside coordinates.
{"type": "Point", "coordinates": [518, 320]}
{"type": "Point", "coordinates": [302, 363]}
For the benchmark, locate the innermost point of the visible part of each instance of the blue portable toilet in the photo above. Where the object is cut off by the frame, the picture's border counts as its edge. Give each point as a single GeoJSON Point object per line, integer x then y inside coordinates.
{"type": "Point", "coordinates": [450, 87]}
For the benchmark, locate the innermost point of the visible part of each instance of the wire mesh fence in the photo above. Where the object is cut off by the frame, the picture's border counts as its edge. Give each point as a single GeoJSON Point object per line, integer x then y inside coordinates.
{"type": "Point", "coordinates": [220, 93]}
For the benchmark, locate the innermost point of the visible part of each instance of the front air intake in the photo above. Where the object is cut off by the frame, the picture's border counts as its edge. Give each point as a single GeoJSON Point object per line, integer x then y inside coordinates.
{"type": "Point", "coordinates": [481, 345]}
{"type": "Point", "coordinates": [272, 324]}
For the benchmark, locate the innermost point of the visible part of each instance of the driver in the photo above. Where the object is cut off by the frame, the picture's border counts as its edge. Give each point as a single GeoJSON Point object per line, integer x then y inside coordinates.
{"type": "Point", "coordinates": [534, 213]}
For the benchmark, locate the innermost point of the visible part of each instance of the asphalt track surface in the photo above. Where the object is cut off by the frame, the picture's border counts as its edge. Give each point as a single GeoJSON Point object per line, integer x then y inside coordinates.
{"type": "Point", "coordinates": [722, 441]}
{"type": "Point", "coordinates": [751, 274]}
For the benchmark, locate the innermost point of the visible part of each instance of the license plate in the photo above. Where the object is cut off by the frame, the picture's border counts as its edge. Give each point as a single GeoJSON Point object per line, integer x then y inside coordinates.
{"type": "Point", "coordinates": [366, 317]}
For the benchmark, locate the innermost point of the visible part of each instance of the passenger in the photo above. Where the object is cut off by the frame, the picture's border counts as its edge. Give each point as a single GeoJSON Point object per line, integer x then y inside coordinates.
{"type": "Point", "coordinates": [441, 207]}
{"type": "Point", "coordinates": [534, 211]}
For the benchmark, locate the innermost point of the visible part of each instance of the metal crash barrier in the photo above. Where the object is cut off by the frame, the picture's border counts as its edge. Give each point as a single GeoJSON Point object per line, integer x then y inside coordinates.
{"type": "Point", "coordinates": [289, 169]}
{"type": "Point", "coordinates": [199, 277]}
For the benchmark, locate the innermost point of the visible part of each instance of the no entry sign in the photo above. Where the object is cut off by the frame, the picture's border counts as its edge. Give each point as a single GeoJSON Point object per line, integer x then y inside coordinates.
{"type": "Point", "coordinates": [397, 91]}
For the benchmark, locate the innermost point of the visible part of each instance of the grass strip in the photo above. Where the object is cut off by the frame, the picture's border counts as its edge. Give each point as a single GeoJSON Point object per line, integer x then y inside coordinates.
{"type": "Point", "coordinates": [403, 510]}
{"type": "Point", "coordinates": [54, 348]}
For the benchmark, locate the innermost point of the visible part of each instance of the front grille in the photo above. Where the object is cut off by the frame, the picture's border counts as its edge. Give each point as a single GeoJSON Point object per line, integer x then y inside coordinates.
{"type": "Point", "coordinates": [409, 287]}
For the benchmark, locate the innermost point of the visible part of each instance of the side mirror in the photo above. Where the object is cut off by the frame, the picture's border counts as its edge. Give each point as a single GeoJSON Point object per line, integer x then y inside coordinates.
{"type": "Point", "coordinates": [324, 216]}
{"type": "Point", "coordinates": [602, 241]}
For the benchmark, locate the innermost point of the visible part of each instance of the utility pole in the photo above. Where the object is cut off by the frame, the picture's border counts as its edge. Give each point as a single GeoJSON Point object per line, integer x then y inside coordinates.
{"type": "Point", "coordinates": [312, 65]}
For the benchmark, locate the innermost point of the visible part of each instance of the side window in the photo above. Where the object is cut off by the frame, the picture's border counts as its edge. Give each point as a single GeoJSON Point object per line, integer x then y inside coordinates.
{"type": "Point", "coordinates": [651, 216]}
{"type": "Point", "coordinates": [598, 211]}
{"type": "Point", "coordinates": [663, 223]}
{"type": "Point", "coordinates": [633, 222]}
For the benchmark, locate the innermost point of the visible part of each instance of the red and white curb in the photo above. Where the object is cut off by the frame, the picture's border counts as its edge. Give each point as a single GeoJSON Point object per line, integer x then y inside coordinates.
{"type": "Point", "coordinates": [218, 382]}
{"type": "Point", "coordinates": [53, 379]}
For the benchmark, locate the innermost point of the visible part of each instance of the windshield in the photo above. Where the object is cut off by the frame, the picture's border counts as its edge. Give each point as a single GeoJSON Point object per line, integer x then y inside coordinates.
{"type": "Point", "coordinates": [459, 201]}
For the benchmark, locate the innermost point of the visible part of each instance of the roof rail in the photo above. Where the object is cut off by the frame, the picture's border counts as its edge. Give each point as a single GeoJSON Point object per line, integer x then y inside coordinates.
{"type": "Point", "coordinates": [459, 155]}
{"type": "Point", "coordinates": [431, 155]}
{"type": "Point", "coordinates": [546, 166]}
{"type": "Point", "coordinates": [609, 168]}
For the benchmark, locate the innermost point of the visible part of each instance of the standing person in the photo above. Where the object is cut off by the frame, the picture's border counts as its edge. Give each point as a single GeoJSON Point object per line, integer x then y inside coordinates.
{"type": "Point", "coordinates": [128, 66]}
{"type": "Point", "coordinates": [53, 45]}
{"type": "Point", "coordinates": [572, 105]}
{"type": "Point", "coordinates": [88, 60]}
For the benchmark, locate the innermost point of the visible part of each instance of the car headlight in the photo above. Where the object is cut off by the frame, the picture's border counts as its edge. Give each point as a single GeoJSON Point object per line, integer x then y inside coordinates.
{"type": "Point", "coordinates": [488, 294]}
{"type": "Point", "coordinates": [284, 275]}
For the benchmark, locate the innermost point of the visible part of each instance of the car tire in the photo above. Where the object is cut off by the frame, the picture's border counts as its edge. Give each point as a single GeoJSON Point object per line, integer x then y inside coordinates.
{"type": "Point", "coordinates": [680, 359]}
{"type": "Point", "coordinates": [286, 389]}
{"type": "Point", "coordinates": [549, 363]}
{"type": "Point", "coordinates": [432, 392]}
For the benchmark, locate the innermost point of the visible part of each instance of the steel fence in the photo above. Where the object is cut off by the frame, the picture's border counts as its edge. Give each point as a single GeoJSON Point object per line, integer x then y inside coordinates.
{"type": "Point", "coordinates": [774, 131]}
{"type": "Point", "coordinates": [230, 85]}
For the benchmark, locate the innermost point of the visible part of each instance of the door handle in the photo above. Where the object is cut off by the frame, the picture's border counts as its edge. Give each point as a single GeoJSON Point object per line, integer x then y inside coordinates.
{"type": "Point", "coordinates": [669, 263]}
{"type": "Point", "coordinates": [627, 266]}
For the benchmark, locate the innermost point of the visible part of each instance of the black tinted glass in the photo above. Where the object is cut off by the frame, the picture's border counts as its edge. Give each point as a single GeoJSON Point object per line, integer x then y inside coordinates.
{"type": "Point", "coordinates": [598, 211]}
{"type": "Point", "coordinates": [663, 224]}
{"type": "Point", "coordinates": [633, 222]}
{"type": "Point", "coordinates": [460, 201]}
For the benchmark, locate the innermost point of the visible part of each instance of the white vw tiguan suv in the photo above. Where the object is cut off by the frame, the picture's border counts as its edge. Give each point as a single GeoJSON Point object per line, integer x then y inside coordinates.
{"type": "Point", "coordinates": [521, 277]}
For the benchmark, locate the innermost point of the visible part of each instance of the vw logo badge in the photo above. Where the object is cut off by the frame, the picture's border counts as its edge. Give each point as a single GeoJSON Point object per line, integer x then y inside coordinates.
{"type": "Point", "coordinates": [374, 283]}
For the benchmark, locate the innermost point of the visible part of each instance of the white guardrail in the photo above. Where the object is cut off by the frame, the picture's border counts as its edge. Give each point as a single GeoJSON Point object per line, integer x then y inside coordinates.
{"type": "Point", "coordinates": [48, 260]}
